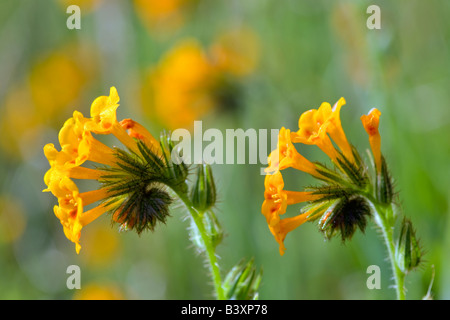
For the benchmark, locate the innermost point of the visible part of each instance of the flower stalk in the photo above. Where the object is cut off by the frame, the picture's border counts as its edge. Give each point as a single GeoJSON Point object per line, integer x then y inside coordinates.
{"type": "Point", "coordinates": [382, 217]}
{"type": "Point", "coordinates": [207, 243]}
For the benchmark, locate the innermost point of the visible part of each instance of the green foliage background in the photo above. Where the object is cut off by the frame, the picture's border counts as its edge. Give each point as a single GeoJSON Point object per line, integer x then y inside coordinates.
{"type": "Point", "coordinates": [310, 52]}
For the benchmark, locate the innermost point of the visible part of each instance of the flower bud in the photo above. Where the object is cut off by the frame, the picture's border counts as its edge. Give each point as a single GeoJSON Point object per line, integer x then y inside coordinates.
{"type": "Point", "coordinates": [177, 170]}
{"type": "Point", "coordinates": [408, 253]}
{"type": "Point", "coordinates": [203, 193]}
{"type": "Point", "coordinates": [242, 282]}
{"type": "Point", "coordinates": [384, 184]}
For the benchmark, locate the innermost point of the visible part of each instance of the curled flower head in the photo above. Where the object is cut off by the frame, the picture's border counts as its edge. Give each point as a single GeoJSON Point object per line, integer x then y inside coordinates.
{"type": "Point", "coordinates": [370, 123]}
{"type": "Point", "coordinates": [340, 203]}
{"type": "Point", "coordinates": [132, 182]}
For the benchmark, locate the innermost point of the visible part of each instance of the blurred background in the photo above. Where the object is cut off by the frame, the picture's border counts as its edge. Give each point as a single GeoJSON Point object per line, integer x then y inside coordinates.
{"type": "Point", "coordinates": [233, 64]}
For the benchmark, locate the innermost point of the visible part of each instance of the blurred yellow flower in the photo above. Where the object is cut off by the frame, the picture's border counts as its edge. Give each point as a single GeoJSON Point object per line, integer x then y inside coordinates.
{"type": "Point", "coordinates": [236, 51]}
{"type": "Point", "coordinates": [104, 246]}
{"type": "Point", "coordinates": [12, 219]}
{"type": "Point", "coordinates": [55, 82]}
{"type": "Point", "coordinates": [161, 17]}
{"type": "Point", "coordinates": [178, 90]}
{"type": "Point", "coordinates": [97, 291]}
{"type": "Point", "coordinates": [20, 124]}
{"type": "Point", "coordinates": [52, 85]}
{"type": "Point", "coordinates": [189, 81]}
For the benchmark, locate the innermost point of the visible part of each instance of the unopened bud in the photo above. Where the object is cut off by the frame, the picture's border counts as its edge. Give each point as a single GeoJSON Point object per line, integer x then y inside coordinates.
{"type": "Point", "coordinates": [203, 193]}
{"type": "Point", "coordinates": [384, 184]}
{"type": "Point", "coordinates": [242, 282]}
{"type": "Point", "coordinates": [408, 253]}
{"type": "Point", "coordinates": [177, 170]}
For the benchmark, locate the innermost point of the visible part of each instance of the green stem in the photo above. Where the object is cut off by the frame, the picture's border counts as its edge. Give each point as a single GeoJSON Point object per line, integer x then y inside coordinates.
{"type": "Point", "coordinates": [384, 219]}
{"type": "Point", "coordinates": [210, 250]}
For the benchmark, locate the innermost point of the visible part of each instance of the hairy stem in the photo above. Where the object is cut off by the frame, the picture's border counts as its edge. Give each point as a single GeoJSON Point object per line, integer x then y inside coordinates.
{"type": "Point", "coordinates": [209, 248]}
{"type": "Point", "coordinates": [384, 219]}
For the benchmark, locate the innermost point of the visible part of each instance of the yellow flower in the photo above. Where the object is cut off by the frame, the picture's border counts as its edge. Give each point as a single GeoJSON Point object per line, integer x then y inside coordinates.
{"type": "Point", "coordinates": [370, 123]}
{"type": "Point", "coordinates": [346, 212]}
{"type": "Point", "coordinates": [276, 199]}
{"type": "Point", "coordinates": [284, 226]}
{"type": "Point", "coordinates": [62, 164]}
{"type": "Point", "coordinates": [78, 146]}
{"type": "Point", "coordinates": [70, 207]}
{"type": "Point", "coordinates": [103, 112]}
{"type": "Point", "coordinates": [104, 119]}
{"type": "Point", "coordinates": [287, 156]}
{"type": "Point", "coordinates": [316, 126]}
{"type": "Point", "coordinates": [337, 133]}
{"type": "Point", "coordinates": [313, 130]}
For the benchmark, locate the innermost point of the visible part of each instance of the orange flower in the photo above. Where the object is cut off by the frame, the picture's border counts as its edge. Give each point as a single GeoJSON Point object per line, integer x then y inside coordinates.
{"type": "Point", "coordinates": [313, 130]}
{"type": "Point", "coordinates": [370, 123]}
{"type": "Point", "coordinates": [61, 164]}
{"type": "Point", "coordinates": [70, 207]}
{"type": "Point", "coordinates": [276, 199]}
{"type": "Point", "coordinates": [78, 146]}
{"type": "Point", "coordinates": [281, 229]}
{"type": "Point", "coordinates": [104, 119]}
{"type": "Point", "coordinates": [137, 131]}
{"type": "Point", "coordinates": [316, 124]}
{"type": "Point", "coordinates": [337, 133]}
{"type": "Point", "coordinates": [286, 156]}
